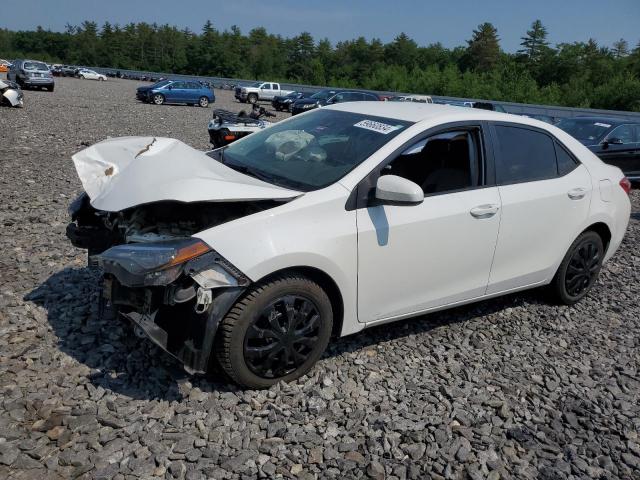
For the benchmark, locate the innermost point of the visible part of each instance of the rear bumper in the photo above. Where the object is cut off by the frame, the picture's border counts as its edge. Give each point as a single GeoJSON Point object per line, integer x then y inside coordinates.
{"type": "Point", "coordinates": [40, 82]}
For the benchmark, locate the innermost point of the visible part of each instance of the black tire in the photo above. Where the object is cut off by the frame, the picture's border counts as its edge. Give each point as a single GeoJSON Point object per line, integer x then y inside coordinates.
{"type": "Point", "coordinates": [252, 98]}
{"type": "Point", "coordinates": [158, 99]}
{"type": "Point", "coordinates": [579, 269]}
{"type": "Point", "coordinates": [50, 89]}
{"type": "Point", "coordinates": [203, 102]}
{"type": "Point", "coordinates": [256, 350]}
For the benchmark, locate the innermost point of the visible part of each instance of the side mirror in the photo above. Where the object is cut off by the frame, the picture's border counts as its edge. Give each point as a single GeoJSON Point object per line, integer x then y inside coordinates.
{"type": "Point", "coordinates": [170, 87]}
{"type": "Point", "coordinates": [614, 141]}
{"type": "Point", "coordinates": [395, 190]}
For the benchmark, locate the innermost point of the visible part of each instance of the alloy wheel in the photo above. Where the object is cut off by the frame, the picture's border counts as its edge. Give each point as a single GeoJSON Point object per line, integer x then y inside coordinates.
{"type": "Point", "coordinates": [204, 101]}
{"type": "Point", "coordinates": [282, 336]}
{"type": "Point", "coordinates": [158, 99]}
{"type": "Point", "coordinates": [582, 269]}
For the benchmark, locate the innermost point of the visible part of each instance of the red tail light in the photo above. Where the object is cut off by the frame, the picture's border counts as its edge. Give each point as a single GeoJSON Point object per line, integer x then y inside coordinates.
{"type": "Point", "coordinates": [625, 183]}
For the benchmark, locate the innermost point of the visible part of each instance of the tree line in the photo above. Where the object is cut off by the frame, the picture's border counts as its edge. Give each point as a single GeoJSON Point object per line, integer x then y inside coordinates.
{"type": "Point", "coordinates": [578, 74]}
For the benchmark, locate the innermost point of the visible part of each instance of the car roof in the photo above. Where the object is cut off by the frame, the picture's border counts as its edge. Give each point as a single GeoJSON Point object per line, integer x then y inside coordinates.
{"type": "Point", "coordinates": [417, 112]}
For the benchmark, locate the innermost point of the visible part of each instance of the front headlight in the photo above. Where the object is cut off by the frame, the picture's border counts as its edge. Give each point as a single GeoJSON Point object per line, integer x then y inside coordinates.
{"type": "Point", "coordinates": [142, 258]}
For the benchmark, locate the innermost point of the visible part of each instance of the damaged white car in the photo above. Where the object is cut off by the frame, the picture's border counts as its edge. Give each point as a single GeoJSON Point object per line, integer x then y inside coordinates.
{"type": "Point", "coordinates": [11, 94]}
{"type": "Point", "coordinates": [255, 255]}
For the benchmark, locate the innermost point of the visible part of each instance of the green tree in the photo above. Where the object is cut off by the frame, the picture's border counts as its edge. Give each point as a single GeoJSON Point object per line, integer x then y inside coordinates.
{"type": "Point", "coordinates": [483, 50]}
{"type": "Point", "coordinates": [620, 48]}
{"type": "Point", "coordinates": [534, 44]}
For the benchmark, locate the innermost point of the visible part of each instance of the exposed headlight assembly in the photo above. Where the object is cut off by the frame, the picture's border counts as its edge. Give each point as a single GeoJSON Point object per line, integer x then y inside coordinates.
{"type": "Point", "coordinates": [154, 263]}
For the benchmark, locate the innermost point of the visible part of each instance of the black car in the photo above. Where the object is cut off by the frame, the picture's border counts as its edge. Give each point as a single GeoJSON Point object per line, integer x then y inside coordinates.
{"type": "Point", "coordinates": [329, 97]}
{"type": "Point", "coordinates": [616, 141]}
{"type": "Point", "coordinates": [67, 71]}
{"type": "Point", "coordinates": [284, 102]}
{"type": "Point", "coordinates": [494, 107]}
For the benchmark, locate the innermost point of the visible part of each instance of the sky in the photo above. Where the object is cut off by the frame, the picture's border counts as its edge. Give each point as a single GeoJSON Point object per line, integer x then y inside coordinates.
{"type": "Point", "coordinates": [426, 21]}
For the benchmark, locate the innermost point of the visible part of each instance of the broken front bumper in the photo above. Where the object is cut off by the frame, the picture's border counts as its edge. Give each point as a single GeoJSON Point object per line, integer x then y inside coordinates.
{"type": "Point", "coordinates": [180, 312]}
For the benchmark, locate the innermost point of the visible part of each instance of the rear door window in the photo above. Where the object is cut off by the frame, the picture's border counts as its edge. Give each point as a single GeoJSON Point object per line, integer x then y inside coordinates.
{"type": "Point", "coordinates": [525, 155]}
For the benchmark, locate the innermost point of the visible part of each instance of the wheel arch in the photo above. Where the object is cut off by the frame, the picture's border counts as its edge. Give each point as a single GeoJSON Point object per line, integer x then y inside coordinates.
{"type": "Point", "coordinates": [603, 230]}
{"type": "Point", "coordinates": [327, 283]}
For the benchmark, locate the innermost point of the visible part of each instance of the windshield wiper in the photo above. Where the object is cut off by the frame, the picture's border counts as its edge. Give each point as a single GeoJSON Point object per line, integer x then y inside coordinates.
{"type": "Point", "coordinates": [247, 170]}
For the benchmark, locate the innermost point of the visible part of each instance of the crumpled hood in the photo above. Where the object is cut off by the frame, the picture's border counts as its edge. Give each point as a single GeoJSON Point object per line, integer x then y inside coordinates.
{"type": "Point", "coordinates": [125, 172]}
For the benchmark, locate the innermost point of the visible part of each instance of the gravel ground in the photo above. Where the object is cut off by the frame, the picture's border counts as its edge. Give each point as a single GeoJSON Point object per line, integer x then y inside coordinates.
{"type": "Point", "coordinates": [508, 388]}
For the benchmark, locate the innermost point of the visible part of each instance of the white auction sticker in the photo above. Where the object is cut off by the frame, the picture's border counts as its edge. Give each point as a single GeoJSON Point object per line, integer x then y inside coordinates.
{"type": "Point", "coordinates": [377, 126]}
{"type": "Point", "coordinates": [605, 125]}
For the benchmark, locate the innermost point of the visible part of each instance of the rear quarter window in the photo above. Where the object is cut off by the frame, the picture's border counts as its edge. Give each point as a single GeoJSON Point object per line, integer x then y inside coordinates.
{"type": "Point", "coordinates": [566, 162]}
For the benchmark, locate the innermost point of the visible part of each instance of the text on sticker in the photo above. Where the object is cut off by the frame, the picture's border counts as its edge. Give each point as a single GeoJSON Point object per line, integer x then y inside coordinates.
{"type": "Point", "coordinates": [377, 126]}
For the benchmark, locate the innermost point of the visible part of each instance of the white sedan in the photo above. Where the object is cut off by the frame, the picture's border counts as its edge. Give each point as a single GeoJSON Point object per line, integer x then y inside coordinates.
{"type": "Point", "coordinates": [87, 74]}
{"type": "Point", "coordinates": [257, 255]}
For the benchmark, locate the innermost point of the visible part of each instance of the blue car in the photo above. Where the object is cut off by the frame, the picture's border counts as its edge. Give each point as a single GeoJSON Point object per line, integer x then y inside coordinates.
{"type": "Point", "coordinates": [177, 91]}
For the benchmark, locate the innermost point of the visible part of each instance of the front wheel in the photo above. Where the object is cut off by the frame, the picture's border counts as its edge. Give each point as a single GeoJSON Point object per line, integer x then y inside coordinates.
{"type": "Point", "coordinates": [203, 102]}
{"type": "Point", "coordinates": [252, 98]}
{"type": "Point", "coordinates": [579, 269]}
{"type": "Point", "coordinates": [277, 331]}
{"type": "Point", "coordinates": [158, 99]}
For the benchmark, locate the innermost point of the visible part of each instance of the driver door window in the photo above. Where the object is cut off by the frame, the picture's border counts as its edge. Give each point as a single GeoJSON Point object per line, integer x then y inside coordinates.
{"type": "Point", "coordinates": [446, 162]}
{"type": "Point", "coordinates": [624, 133]}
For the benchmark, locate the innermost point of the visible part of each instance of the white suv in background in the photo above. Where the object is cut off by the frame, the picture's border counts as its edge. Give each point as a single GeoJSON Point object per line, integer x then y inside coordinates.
{"type": "Point", "coordinates": [87, 74]}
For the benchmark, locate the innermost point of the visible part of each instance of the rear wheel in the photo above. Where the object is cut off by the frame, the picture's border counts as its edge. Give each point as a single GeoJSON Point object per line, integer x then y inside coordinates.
{"type": "Point", "coordinates": [158, 99]}
{"type": "Point", "coordinates": [579, 269]}
{"type": "Point", "coordinates": [277, 331]}
{"type": "Point", "coordinates": [203, 102]}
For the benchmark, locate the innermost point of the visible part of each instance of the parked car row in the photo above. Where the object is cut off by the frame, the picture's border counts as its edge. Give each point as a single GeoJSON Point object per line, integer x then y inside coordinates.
{"type": "Point", "coordinates": [331, 97]}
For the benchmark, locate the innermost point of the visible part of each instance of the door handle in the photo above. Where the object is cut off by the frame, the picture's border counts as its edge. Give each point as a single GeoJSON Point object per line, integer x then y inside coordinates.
{"type": "Point", "coordinates": [484, 211]}
{"type": "Point", "coordinates": [577, 193]}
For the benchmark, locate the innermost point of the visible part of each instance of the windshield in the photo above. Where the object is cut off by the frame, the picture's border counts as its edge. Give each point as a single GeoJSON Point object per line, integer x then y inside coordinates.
{"type": "Point", "coordinates": [584, 130]}
{"type": "Point", "coordinates": [311, 151]}
{"type": "Point", "coordinates": [323, 95]}
{"type": "Point", "coordinates": [256, 85]}
{"type": "Point", "coordinates": [35, 66]}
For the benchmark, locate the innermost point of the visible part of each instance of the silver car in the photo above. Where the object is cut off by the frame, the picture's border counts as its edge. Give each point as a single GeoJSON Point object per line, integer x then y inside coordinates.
{"type": "Point", "coordinates": [31, 74]}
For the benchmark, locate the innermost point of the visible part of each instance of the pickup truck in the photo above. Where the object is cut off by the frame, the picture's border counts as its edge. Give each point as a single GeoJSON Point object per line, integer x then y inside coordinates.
{"type": "Point", "coordinates": [260, 91]}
